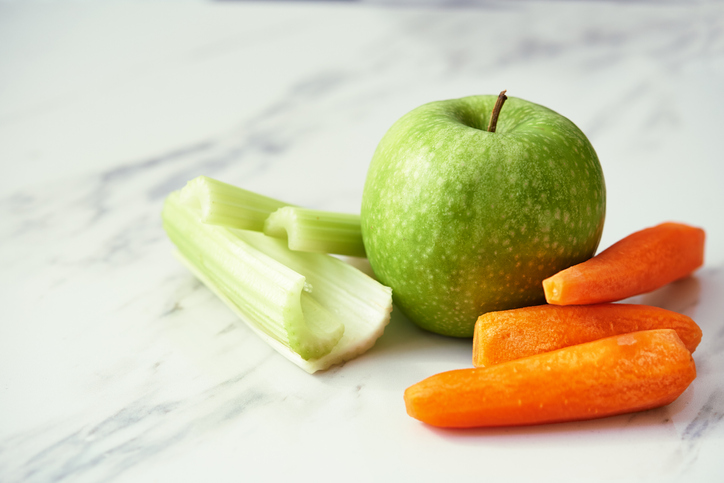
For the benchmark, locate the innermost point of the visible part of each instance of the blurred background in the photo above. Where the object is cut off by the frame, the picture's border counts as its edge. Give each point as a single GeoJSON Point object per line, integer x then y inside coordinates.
{"type": "Point", "coordinates": [90, 85]}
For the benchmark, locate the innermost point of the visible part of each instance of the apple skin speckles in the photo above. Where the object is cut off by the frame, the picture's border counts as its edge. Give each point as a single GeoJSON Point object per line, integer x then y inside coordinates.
{"type": "Point", "coordinates": [460, 221]}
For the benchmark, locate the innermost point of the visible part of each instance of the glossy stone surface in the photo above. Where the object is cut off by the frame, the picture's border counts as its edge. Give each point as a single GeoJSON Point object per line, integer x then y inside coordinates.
{"type": "Point", "coordinates": [116, 365]}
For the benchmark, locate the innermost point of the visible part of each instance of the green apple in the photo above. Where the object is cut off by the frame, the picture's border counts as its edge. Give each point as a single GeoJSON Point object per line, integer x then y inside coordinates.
{"type": "Point", "coordinates": [460, 221]}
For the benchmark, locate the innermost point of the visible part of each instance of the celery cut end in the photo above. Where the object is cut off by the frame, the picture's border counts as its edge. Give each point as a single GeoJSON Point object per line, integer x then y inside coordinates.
{"type": "Point", "coordinates": [321, 332]}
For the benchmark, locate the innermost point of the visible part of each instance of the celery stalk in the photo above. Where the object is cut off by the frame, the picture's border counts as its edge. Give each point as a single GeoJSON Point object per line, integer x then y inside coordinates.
{"type": "Point", "coordinates": [318, 231]}
{"type": "Point", "coordinates": [313, 308]}
{"type": "Point", "coordinates": [305, 229]}
{"type": "Point", "coordinates": [227, 205]}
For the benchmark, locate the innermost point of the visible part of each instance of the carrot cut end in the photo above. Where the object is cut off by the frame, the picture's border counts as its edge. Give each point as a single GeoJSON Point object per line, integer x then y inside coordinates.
{"type": "Point", "coordinates": [552, 290]}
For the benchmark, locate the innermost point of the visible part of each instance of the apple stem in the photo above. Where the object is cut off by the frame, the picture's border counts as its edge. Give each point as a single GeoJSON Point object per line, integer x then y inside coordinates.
{"type": "Point", "coordinates": [496, 111]}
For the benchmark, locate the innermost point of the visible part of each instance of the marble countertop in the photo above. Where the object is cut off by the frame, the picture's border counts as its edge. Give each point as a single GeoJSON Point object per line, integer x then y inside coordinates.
{"type": "Point", "coordinates": [116, 365]}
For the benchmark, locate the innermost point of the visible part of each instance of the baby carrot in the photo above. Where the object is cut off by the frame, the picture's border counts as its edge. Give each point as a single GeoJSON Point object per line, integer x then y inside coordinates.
{"type": "Point", "coordinates": [639, 263]}
{"type": "Point", "coordinates": [615, 375]}
{"type": "Point", "coordinates": [511, 334]}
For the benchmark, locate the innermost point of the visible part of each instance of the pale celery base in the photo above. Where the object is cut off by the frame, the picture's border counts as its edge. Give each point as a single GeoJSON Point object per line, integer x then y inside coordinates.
{"type": "Point", "coordinates": [357, 338]}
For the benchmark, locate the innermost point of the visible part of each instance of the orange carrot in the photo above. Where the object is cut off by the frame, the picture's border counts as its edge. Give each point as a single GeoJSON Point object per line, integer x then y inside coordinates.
{"type": "Point", "coordinates": [511, 334]}
{"type": "Point", "coordinates": [639, 263]}
{"type": "Point", "coordinates": [615, 375]}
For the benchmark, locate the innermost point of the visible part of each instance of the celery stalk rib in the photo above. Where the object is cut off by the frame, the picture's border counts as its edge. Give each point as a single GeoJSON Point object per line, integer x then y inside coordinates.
{"type": "Point", "coordinates": [318, 231]}
{"type": "Point", "coordinates": [313, 308]}
{"type": "Point", "coordinates": [227, 205]}
{"type": "Point", "coordinates": [304, 229]}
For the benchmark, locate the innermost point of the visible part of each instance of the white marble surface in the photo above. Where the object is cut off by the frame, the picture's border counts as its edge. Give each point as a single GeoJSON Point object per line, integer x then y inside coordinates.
{"type": "Point", "coordinates": [117, 366]}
